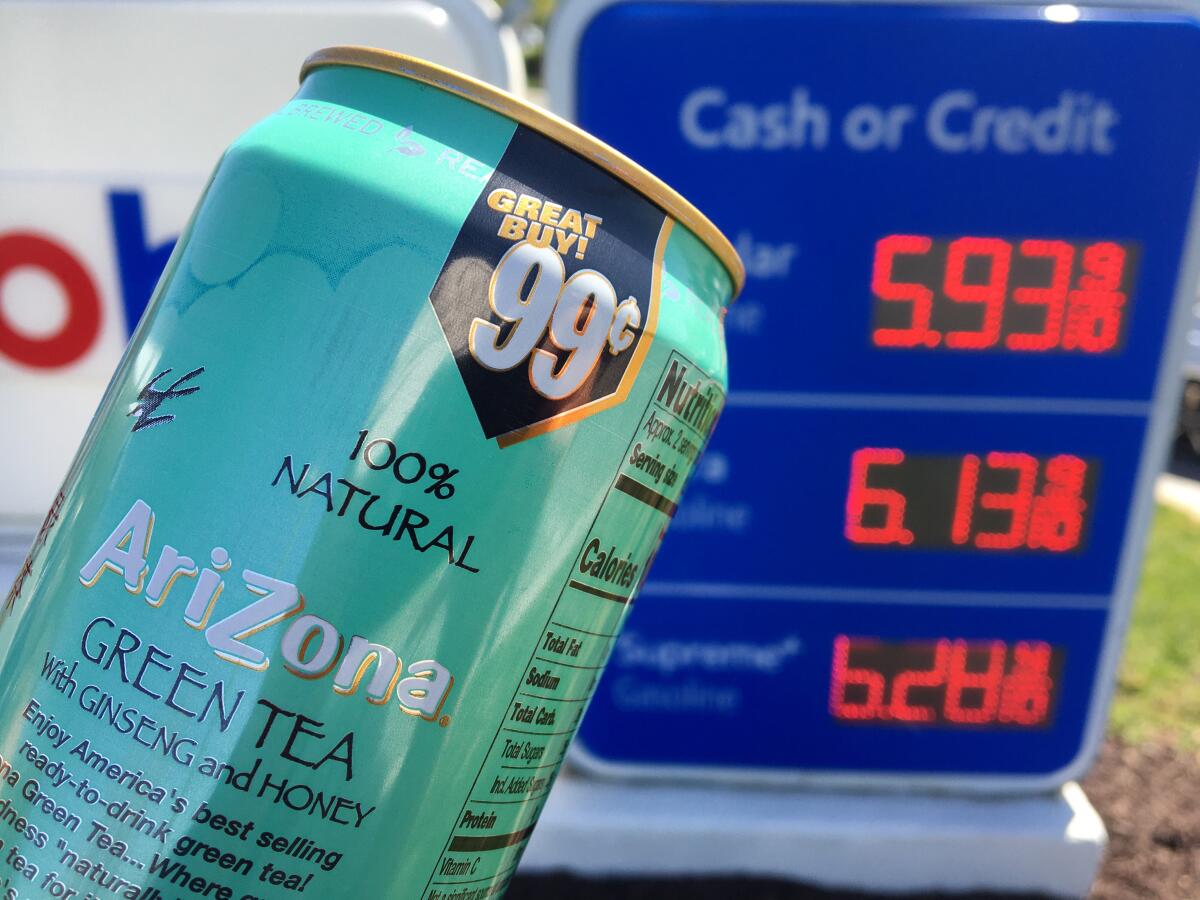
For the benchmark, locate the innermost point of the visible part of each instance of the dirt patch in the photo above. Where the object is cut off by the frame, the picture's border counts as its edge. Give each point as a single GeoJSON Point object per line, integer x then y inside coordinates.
{"type": "Point", "coordinates": [1149, 798]}
{"type": "Point", "coordinates": [563, 887]}
{"type": "Point", "coordinates": [556, 887]}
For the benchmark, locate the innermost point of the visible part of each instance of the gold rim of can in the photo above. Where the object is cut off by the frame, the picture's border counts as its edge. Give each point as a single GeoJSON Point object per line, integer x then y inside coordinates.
{"type": "Point", "coordinates": [613, 161]}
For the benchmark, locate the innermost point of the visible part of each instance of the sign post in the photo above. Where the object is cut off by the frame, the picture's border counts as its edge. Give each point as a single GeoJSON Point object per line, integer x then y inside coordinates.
{"type": "Point", "coordinates": [910, 556]}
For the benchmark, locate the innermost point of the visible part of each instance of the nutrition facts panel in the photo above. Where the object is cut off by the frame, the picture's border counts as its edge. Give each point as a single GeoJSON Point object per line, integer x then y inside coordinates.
{"type": "Point", "coordinates": [547, 704]}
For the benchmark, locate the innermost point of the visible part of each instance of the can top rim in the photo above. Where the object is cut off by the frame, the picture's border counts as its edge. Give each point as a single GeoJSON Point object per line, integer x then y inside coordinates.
{"type": "Point", "coordinates": [591, 148]}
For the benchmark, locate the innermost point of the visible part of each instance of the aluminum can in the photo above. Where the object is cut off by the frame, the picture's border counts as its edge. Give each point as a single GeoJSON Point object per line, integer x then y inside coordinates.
{"type": "Point", "coordinates": [327, 589]}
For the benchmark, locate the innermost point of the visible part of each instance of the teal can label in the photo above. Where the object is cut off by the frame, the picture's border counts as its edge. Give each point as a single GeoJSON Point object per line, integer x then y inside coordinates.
{"type": "Point", "coordinates": [333, 577]}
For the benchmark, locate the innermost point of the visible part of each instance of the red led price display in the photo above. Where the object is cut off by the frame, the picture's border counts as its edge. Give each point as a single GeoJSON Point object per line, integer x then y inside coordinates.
{"type": "Point", "coordinates": [975, 501]}
{"type": "Point", "coordinates": [985, 293]}
{"type": "Point", "coordinates": [945, 682]}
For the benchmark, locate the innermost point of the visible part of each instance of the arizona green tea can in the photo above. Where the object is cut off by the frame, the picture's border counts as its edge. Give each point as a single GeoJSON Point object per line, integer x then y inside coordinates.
{"type": "Point", "coordinates": [325, 594]}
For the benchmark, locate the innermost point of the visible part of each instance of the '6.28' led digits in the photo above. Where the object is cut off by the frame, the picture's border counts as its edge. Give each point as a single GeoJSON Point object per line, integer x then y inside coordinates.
{"type": "Point", "coordinates": [944, 682]}
{"type": "Point", "coordinates": [986, 293]}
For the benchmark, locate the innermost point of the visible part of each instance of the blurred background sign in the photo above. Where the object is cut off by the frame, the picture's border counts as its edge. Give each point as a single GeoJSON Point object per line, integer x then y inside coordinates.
{"type": "Point", "coordinates": [115, 113]}
{"type": "Point", "coordinates": [909, 555]}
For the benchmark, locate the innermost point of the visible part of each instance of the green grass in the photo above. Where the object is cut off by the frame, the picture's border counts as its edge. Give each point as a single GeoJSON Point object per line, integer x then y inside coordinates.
{"type": "Point", "coordinates": [1158, 691]}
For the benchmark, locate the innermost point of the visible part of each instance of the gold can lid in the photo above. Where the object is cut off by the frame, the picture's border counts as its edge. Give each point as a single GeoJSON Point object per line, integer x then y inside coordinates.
{"type": "Point", "coordinates": [591, 148]}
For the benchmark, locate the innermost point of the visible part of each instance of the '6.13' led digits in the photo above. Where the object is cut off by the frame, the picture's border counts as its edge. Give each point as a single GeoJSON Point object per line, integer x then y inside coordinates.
{"type": "Point", "coordinates": [992, 501]}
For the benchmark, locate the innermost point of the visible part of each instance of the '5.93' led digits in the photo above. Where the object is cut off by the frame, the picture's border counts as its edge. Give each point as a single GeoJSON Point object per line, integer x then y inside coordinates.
{"type": "Point", "coordinates": [986, 293]}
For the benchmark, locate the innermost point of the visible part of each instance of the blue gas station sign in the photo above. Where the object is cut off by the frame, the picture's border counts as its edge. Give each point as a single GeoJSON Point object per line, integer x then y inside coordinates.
{"type": "Point", "coordinates": [913, 543]}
